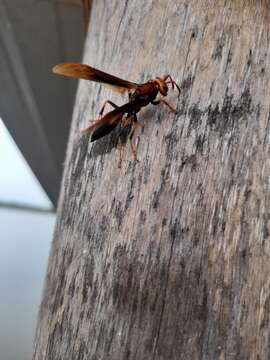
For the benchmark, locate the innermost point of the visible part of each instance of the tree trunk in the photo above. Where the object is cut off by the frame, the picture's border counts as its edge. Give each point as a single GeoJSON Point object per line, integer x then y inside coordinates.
{"type": "Point", "coordinates": [168, 258]}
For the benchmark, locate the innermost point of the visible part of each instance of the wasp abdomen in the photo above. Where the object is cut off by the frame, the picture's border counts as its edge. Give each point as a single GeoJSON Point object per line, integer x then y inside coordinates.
{"type": "Point", "coordinates": [103, 130]}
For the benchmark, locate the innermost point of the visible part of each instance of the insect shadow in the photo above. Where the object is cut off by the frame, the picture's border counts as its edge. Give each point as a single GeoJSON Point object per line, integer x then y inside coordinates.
{"type": "Point", "coordinates": [108, 143]}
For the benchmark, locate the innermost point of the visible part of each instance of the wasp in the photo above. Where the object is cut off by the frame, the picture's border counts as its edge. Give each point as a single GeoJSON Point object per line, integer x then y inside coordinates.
{"type": "Point", "coordinates": [139, 95]}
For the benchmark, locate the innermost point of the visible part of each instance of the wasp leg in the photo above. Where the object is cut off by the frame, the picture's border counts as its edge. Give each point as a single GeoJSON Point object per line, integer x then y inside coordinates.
{"type": "Point", "coordinates": [135, 126]}
{"type": "Point", "coordinates": [168, 77]}
{"type": "Point", "coordinates": [120, 150]}
{"type": "Point", "coordinates": [163, 102]}
{"type": "Point", "coordinates": [100, 114]}
{"type": "Point", "coordinates": [127, 121]}
{"type": "Point", "coordinates": [107, 102]}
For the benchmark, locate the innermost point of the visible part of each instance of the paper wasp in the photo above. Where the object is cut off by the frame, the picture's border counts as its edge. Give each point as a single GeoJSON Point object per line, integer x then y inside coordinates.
{"type": "Point", "coordinates": [139, 95]}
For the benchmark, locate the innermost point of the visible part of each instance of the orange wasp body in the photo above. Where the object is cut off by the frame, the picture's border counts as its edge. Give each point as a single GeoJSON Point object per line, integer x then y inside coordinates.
{"type": "Point", "coordinates": [140, 95]}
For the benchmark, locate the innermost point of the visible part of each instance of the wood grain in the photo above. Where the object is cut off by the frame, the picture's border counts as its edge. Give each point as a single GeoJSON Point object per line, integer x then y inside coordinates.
{"type": "Point", "coordinates": [169, 257]}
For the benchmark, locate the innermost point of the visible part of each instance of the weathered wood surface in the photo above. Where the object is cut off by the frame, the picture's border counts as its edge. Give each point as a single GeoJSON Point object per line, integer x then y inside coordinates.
{"type": "Point", "coordinates": [168, 258]}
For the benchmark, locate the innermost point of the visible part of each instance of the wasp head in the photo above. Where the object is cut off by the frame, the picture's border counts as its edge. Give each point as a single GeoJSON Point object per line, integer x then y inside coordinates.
{"type": "Point", "coordinates": [161, 85]}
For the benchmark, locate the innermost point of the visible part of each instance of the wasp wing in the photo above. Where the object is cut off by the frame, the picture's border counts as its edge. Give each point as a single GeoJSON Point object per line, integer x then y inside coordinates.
{"type": "Point", "coordinates": [87, 72]}
{"type": "Point", "coordinates": [108, 122]}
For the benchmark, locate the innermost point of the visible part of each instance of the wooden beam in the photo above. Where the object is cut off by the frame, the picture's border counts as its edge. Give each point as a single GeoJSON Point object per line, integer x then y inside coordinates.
{"type": "Point", "coordinates": [168, 258]}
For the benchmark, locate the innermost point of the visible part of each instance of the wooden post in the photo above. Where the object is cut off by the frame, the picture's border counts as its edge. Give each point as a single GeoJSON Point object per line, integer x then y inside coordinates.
{"type": "Point", "coordinates": [168, 258]}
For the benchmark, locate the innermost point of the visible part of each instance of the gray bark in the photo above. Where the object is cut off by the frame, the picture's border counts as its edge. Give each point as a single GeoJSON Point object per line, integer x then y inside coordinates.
{"type": "Point", "coordinates": [168, 258]}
